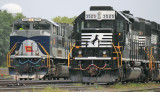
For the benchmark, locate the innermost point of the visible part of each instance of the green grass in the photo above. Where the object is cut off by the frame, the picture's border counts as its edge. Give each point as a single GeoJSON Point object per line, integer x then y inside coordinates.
{"type": "Point", "coordinates": [102, 88]}
{"type": "Point", "coordinates": [6, 77]}
{"type": "Point", "coordinates": [49, 89]}
{"type": "Point", "coordinates": [97, 88]}
{"type": "Point", "coordinates": [134, 85]}
{"type": "Point", "coordinates": [3, 67]}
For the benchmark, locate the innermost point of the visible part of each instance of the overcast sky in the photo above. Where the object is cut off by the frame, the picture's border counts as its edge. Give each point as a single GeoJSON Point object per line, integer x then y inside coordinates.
{"type": "Point", "coordinates": [148, 9]}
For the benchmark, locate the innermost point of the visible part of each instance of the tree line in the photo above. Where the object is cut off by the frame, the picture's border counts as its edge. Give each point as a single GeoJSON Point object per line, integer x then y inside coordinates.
{"type": "Point", "coordinates": [6, 20]}
{"type": "Point", "coordinates": [64, 19]}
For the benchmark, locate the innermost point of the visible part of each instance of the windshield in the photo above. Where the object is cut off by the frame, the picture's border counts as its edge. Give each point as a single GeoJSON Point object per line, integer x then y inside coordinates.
{"type": "Point", "coordinates": [21, 26]}
{"type": "Point", "coordinates": [93, 24]}
{"type": "Point", "coordinates": [99, 24]}
{"type": "Point", "coordinates": [107, 24]}
{"type": "Point", "coordinates": [41, 26]}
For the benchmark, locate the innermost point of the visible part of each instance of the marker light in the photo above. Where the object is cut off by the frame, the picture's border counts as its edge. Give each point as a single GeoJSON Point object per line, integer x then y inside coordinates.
{"type": "Point", "coordinates": [16, 52]}
{"type": "Point", "coordinates": [31, 19]}
{"type": "Point", "coordinates": [37, 52]}
{"type": "Point", "coordinates": [79, 52]}
{"type": "Point", "coordinates": [104, 52]}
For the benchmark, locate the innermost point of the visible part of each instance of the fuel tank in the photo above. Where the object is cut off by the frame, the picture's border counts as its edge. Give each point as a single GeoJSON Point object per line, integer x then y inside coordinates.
{"type": "Point", "coordinates": [157, 75]}
{"type": "Point", "coordinates": [133, 73]}
{"type": "Point", "coordinates": [59, 71]}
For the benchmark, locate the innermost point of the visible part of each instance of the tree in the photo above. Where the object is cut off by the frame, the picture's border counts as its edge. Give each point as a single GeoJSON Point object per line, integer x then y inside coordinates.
{"type": "Point", "coordinates": [6, 19]}
{"type": "Point", "coordinates": [64, 19]}
{"type": "Point", "coordinates": [19, 16]}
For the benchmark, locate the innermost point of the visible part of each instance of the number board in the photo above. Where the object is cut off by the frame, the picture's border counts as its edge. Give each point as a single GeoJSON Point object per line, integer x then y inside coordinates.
{"type": "Point", "coordinates": [100, 15]}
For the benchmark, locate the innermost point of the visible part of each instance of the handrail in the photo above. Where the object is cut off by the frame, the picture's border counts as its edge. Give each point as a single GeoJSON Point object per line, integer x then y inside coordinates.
{"type": "Point", "coordinates": [9, 53]}
{"type": "Point", "coordinates": [69, 54]}
{"type": "Point", "coordinates": [151, 57]}
{"type": "Point", "coordinates": [117, 54]}
{"type": "Point", "coordinates": [120, 53]}
{"type": "Point", "coordinates": [48, 56]}
{"type": "Point", "coordinates": [153, 60]}
{"type": "Point", "coordinates": [148, 54]}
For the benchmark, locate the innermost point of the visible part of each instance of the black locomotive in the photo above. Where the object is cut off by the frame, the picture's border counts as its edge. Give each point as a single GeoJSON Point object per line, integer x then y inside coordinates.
{"type": "Point", "coordinates": [112, 46]}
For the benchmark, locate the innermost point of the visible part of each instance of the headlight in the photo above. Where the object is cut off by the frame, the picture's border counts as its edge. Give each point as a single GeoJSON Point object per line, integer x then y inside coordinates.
{"type": "Point", "coordinates": [16, 52]}
{"type": "Point", "coordinates": [41, 32]}
{"type": "Point", "coordinates": [37, 52]}
{"type": "Point", "coordinates": [104, 52]}
{"type": "Point", "coordinates": [43, 57]}
{"type": "Point", "coordinates": [79, 52]}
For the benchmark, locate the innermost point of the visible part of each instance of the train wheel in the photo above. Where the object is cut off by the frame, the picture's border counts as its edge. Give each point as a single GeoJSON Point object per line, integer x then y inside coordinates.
{"type": "Point", "coordinates": [111, 83]}
{"type": "Point", "coordinates": [92, 83]}
{"type": "Point", "coordinates": [54, 78]}
{"type": "Point", "coordinates": [49, 78]}
{"type": "Point", "coordinates": [65, 78]}
{"type": "Point", "coordinates": [87, 83]}
{"type": "Point", "coordinates": [83, 83]}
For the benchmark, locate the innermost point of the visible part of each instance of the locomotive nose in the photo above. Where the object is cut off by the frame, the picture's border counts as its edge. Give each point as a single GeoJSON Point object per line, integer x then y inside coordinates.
{"type": "Point", "coordinates": [29, 48]}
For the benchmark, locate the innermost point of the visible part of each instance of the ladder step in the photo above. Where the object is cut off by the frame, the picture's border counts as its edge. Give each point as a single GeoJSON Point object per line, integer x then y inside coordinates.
{"type": "Point", "coordinates": [116, 52]}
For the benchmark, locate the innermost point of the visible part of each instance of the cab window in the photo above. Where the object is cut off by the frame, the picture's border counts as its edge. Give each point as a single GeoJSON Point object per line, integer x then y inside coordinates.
{"type": "Point", "coordinates": [41, 26]}
{"type": "Point", "coordinates": [21, 26]}
{"type": "Point", "coordinates": [120, 25]}
{"type": "Point", "coordinates": [92, 24]}
{"type": "Point", "coordinates": [106, 24]}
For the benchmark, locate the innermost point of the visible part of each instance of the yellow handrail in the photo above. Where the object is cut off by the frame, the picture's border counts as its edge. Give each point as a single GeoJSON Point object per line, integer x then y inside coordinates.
{"type": "Point", "coordinates": [151, 57]}
{"type": "Point", "coordinates": [120, 53]}
{"type": "Point", "coordinates": [148, 56]}
{"type": "Point", "coordinates": [69, 54]}
{"type": "Point", "coordinates": [117, 54]}
{"type": "Point", "coordinates": [48, 56]}
{"type": "Point", "coordinates": [9, 53]}
{"type": "Point", "coordinates": [153, 60]}
{"type": "Point", "coordinates": [146, 52]}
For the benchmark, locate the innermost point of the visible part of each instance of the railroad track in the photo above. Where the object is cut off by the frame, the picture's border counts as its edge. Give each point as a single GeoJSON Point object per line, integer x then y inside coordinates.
{"type": "Point", "coordinates": [28, 86]}
{"type": "Point", "coordinates": [33, 82]}
{"type": "Point", "coordinates": [87, 88]}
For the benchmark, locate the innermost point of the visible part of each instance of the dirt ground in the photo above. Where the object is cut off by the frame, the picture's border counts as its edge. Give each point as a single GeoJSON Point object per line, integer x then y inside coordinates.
{"type": "Point", "coordinates": [4, 71]}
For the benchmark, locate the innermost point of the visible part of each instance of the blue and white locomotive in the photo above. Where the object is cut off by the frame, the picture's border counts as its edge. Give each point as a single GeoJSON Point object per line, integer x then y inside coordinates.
{"type": "Point", "coordinates": [39, 49]}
